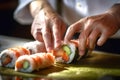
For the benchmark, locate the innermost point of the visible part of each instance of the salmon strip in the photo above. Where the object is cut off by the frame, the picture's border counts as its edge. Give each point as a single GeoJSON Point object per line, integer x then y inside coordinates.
{"type": "Point", "coordinates": [26, 51]}
{"type": "Point", "coordinates": [17, 53]}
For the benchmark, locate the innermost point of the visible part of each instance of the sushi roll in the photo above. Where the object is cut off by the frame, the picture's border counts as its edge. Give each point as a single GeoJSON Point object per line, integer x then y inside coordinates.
{"type": "Point", "coordinates": [29, 63]}
{"type": "Point", "coordinates": [35, 47]}
{"type": "Point", "coordinates": [67, 52]}
{"type": "Point", "coordinates": [10, 55]}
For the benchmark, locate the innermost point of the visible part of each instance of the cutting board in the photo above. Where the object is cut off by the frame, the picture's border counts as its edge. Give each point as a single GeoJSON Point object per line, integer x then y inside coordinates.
{"type": "Point", "coordinates": [92, 67]}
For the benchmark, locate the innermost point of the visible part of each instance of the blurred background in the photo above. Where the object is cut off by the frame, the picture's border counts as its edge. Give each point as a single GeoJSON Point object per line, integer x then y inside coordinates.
{"type": "Point", "coordinates": [8, 26]}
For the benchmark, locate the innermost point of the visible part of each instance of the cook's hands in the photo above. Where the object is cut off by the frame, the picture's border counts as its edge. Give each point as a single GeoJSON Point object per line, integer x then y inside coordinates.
{"type": "Point", "coordinates": [93, 30]}
{"type": "Point", "coordinates": [49, 28]}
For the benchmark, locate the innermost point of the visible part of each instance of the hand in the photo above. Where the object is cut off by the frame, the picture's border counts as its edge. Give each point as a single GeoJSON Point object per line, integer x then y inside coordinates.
{"type": "Point", "coordinates": [93, 30]}
{"type": "Point", "coordinates": [49, 28]}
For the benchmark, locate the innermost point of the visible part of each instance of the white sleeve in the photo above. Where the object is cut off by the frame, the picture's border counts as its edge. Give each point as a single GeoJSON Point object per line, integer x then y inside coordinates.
{"type": "Point", "coordinates": [22, 13]}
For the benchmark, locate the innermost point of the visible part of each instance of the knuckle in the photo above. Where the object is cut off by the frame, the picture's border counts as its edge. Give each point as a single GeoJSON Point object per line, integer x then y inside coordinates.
{"type": "Point", "coordinates": [92, 20]}
{"type": "Point", "coordinates": [71, 28]}
{"type": "Point", "coordinates": [90, 38]}
{"type": "Point", "coordinates": [46, 34]}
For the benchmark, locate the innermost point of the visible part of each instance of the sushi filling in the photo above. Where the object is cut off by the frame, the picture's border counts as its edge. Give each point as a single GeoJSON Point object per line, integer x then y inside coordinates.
{"type": "Point", "coordinates": [6, 59]}
{"type": "Point", "coordinates": [66, 49]}
{"type": "Point", "coordinates": [26, 65]}
{"type": "Point", "coordinates": [67, 53]}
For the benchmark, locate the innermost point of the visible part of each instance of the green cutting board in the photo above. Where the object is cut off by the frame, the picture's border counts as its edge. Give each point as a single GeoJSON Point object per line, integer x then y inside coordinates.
{"type": "Point", "coordinates": [93, 67]}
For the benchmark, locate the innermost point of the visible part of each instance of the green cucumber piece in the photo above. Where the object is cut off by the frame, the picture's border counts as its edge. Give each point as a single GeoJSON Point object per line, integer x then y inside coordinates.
{"type": "Point", "coordinates": [25, 64]}
{"type": "Point", "coordinates": [66, 49]}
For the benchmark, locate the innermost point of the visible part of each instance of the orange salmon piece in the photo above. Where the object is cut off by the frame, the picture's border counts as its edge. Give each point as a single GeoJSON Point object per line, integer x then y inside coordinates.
{"type": "Point", "coordinates": [17, 54]}
{"type": "Point", "coordinates": [18, 65]}
{"type": "Point", "coordinates": [24, 50]}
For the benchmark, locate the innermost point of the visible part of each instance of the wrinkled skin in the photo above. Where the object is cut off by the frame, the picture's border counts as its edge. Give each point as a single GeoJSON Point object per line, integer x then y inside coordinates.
{"type": "Point", "coordinates": [93, 30]}
{"type": "Point", "coordinates": [49, 28]}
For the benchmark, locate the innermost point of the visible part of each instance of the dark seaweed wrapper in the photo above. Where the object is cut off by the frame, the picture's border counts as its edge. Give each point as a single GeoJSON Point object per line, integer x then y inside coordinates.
{"type": "Point", "coordinates": [77, 57]}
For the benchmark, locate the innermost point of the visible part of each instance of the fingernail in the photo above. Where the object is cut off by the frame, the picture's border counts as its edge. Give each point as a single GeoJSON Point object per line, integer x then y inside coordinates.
{"type": "Point", "coordinates": [82, 52]}
{"type": "Point", "coordinates": [57, 43]}
{"type": "Point", "coordinates": [79, 58]}
{"type": "Point", "coordinates": [65, 41]}
{"type": "Point", "coordinates": [49, 49]}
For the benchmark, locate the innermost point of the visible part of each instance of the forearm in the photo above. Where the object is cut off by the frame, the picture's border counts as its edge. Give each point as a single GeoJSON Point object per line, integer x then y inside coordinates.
{"type": "Point", "coordinates": [115, 11]}
{"type": "Point", "coordinates": [39, 5]}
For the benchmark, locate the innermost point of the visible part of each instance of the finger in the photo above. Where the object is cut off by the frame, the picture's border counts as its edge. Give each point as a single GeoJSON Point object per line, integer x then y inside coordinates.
{"type": "Point", "coordinates": [37, 35]}
{"type": "Point", "coordinates": [47, 37]}
{"type": "Point", "coordinates": [83, 39]}
{"type": "Point", "coordinates": [102, 39]}
{"type": "Point", "coordinates": [63, 28]}
{"type": "Point", "coordinates": [36, 31]}
{"type": "Point", "coordinates": [71, 31]}
{"type": "Point", "coordinates": [56, 35]}
{"type": "Point", "coordinates": [82, 43]}
{"type": "Point", "coordinates": [93, 38]}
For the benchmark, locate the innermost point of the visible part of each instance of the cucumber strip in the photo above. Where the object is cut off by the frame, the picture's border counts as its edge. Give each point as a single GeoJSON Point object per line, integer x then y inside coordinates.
{"type": "Point", "coordinates": [25, 64]}
{"type": "Point", "coordinates": [73, 52]}
{"type": "Point", "coordinates": [66, 49]}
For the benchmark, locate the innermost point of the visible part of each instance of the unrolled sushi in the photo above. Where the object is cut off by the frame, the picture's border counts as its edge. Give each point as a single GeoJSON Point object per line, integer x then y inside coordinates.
{"type": "Point", "coordinates": [29, 63]}
{"type": "Point", "coordinates": [10, 55]}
